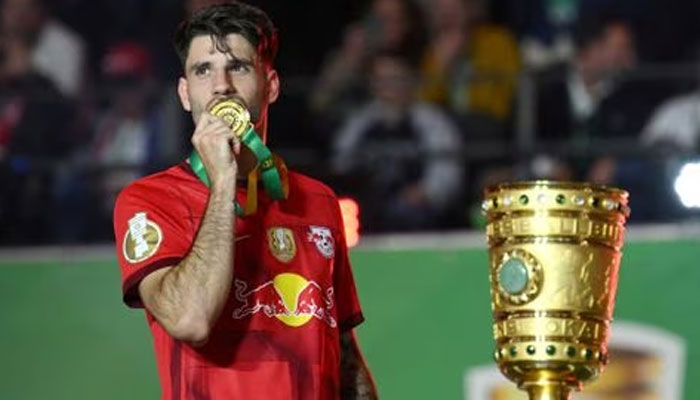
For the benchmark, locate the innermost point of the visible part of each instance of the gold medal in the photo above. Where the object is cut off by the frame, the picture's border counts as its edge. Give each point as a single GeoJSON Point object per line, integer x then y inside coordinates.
{"type": "Point", "coordinates": [234, 114]}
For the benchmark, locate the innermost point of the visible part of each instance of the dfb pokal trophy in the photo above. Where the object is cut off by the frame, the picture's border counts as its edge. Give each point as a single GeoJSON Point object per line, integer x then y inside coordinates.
{"type": "Point", "coordinates": [554, 253]}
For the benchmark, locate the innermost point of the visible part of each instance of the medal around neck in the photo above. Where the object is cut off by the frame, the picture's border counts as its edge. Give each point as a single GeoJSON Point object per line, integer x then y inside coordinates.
{"type": "Point", "coordinates": [237, 117]}
{"type": "Point", "coordinates": [555, 251]}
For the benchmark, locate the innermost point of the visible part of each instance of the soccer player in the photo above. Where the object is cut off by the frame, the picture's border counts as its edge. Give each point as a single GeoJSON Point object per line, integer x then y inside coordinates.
{"type": "Point", "coordinates": [247, 295]}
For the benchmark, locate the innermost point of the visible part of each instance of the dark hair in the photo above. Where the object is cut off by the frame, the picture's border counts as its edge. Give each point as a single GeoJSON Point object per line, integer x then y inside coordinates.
{"type": "Point", "coordinates": [220, 20]}
{"type": "Point", "coordinates": [592, 26]}
{"type": "Point", "coordinates": [414, 43]}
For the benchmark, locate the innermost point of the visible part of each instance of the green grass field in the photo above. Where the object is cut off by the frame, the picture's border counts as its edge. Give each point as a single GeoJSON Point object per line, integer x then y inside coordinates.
{"type": "Point", "coordinates": [65, 334]}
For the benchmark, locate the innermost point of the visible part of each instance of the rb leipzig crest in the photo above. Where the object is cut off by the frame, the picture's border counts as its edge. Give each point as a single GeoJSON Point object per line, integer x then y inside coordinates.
{"type": "Point", "coordinates": [323, 238]}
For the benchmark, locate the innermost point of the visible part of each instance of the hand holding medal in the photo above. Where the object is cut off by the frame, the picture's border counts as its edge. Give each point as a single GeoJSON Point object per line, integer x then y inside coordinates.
{"type": "Point", "coordinates": [237, 117]}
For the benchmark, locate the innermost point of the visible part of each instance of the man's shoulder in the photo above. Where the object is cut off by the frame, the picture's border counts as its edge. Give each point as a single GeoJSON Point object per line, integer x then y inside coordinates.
{"type": "Point", "coordinates": [312, 201]}
{"type": "Point", "coordinates": [309, 185]}
{"type": "Point", "coordinates": [160, 183]}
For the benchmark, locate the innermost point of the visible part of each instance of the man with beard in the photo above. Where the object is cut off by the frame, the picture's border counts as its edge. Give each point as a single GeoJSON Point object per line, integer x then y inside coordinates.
{"type": "Point", "coordinates": [254, 301]}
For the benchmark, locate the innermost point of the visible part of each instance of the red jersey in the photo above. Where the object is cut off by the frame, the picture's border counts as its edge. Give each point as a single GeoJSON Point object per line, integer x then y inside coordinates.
{"type": "Point", "coordinates": [292, 293]}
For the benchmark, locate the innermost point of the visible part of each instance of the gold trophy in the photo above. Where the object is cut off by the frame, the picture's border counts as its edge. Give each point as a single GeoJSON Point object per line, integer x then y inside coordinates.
{"type": "Point", "coordinates": [554, 251]}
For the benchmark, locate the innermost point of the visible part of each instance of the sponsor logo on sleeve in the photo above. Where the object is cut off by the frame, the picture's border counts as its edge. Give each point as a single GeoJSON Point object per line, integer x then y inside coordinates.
{"type": "Point", "coordinates": [142, 238]}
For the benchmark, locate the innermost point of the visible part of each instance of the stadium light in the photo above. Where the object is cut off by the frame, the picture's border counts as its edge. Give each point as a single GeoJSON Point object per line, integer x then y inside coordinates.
{"type": "Point", "coordinates": [687, 185]}
{"type": "Point", "coordinates": [350, 211]}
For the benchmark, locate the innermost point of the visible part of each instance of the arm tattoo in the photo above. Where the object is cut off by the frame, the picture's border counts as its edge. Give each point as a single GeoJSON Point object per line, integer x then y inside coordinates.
{"type": "Point", "coordinates": [355, 380]}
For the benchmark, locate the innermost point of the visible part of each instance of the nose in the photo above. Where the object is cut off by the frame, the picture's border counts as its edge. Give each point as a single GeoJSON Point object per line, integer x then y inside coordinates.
{"type": "Point", "coordinates": [222, 85]}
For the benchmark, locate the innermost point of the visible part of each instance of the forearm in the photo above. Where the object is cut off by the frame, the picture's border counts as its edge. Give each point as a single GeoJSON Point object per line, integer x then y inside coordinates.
{"type": "Point", "coordinates": [359, 386]}
{"type": "Point", "coordinates": [355, 380]}
{"type": "Point", "coordinates": [190, 296]}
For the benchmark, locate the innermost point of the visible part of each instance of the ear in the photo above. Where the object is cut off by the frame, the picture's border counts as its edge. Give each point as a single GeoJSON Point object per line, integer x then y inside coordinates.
{"type": "Point", "coordinates": [183, 93]}
{"type": "Point", "coordinates": [273, 86]}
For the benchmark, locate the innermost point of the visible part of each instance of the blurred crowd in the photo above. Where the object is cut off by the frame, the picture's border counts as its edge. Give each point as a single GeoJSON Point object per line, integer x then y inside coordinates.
{"type": "Point", "coordinates": [410, 107]}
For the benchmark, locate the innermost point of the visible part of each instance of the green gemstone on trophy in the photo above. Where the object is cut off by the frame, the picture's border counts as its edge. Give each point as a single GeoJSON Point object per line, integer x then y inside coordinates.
{"type": "Point", "coordinates": [513, 276]}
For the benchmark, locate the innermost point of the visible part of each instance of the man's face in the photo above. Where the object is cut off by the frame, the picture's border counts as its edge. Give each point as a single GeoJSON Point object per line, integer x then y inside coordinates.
{"type": "Point", "coordinates": [392, 82]}
{"type": "Point", "coordinates": [612, 54]}
{"type": "Point", "coordinates": [211, 75]}
{"type": "Point", "coordinates": [618, 49]}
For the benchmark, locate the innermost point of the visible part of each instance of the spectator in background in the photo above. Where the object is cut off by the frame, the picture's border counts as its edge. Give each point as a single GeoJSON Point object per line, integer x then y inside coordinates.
{"type": "Point", "coordinates": [394, 25]}
{"type": "Point", "coordinates": [55, 51]}
{"type": "Point", "coordinates": [671, 138]}
{"type": "Point", "coordinates": [126, 143]}
{"type": "Point", "coordinates": [675, 126]}
{"type": "Point", "coordinates": [590, 105]}
{"type": "Point", "coordinates": [403, 152]}
{"type": "Point", "coordinates": [588, 98]}
{"type": "Point", "coordinates": [35, 134]}
{"type": "Point", "coordinates": [546, 27]}
{"type": "Point", "coordinates": [128, 130]}
{"type": "Point", "coordinates": [571, 94]}
{"type": "Point", "coordinates": [471, 66]}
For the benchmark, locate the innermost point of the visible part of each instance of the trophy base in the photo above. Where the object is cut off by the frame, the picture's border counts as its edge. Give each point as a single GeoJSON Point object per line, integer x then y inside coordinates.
{"type": "Point", "coordinates": [549, 391]}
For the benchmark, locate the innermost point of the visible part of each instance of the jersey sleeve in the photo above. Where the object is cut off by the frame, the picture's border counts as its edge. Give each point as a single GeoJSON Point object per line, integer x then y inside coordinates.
{"type": "Point", "coordinates": [151, 231]}
{"type": "Point", "coordinates": [349, 309]}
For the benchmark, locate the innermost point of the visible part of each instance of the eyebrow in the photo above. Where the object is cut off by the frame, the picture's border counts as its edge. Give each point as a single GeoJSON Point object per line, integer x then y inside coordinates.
{"type": "Point", "coordinates": [231, 61]}
{"type": "Point", "coordinates": [199, 64]}
{"type": "Point", "coordinates": [244, 61]}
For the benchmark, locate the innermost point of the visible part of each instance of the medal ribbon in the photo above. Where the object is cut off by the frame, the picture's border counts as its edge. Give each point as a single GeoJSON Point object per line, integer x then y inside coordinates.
{"type": "Point", "coordinates": [269, 167]}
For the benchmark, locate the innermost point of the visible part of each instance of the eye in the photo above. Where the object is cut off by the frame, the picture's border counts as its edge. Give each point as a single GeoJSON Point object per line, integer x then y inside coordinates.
{"type": "Point", "coordinates": [202, 70]}
{"type": "Point", "coordinates": [238, 67]}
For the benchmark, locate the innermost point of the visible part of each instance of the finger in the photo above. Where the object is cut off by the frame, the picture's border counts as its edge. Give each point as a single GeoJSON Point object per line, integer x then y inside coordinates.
{"type": "Point", "coordinates": [236, 145]}
{"type": "Point", "coordinates": [201, 126]}
{"type": "Point", "coordinates": [216, 140]}
{"type": "Point", "coordinates": [220, 123]}
{"type": "Point", "coordinates": [213, 128]}
{"type": "Point", "coordinates": [218, 127]}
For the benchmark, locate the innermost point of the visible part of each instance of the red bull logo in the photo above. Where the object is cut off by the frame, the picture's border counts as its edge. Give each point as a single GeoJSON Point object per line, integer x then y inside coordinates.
{"type": "Point", "coordinates": [288, 297]}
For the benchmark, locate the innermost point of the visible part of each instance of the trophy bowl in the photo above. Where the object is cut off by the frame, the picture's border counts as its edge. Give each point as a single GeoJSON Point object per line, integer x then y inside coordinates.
{"type": "Point", "coordinates": [554, 255]}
